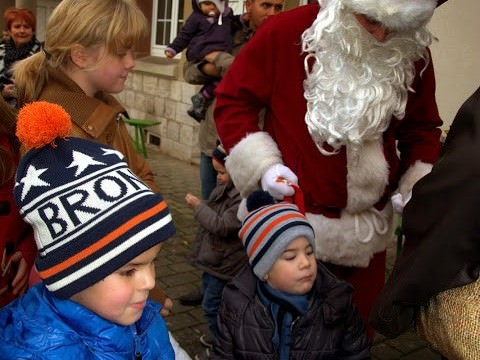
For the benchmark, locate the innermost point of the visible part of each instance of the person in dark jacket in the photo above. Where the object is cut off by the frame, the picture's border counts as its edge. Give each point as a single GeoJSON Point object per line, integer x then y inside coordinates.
{"type": "Point", "coordinates": [207, 36]}
{"type": "Point", "coordinates": [442, 249]}
{"type": "Point", "coordinates": [285, 304]}
{"type": "Point", "coordinates": [218, 251]}
{"type": "Point", "coordinates": [98, 229]}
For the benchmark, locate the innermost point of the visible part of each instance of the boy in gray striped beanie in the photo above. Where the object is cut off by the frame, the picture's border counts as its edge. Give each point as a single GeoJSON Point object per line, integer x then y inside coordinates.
{"type": "Point", "coordinates": [268, 232]}
{"type": "Point", "coordinates": [310, 312]}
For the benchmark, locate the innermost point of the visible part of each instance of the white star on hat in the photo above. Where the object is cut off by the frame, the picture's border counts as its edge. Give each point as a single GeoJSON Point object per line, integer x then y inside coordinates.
{"type": "Point", "coordinates": [31, 179]}
{"type": "Point", "coordinates": [113, 152]}
{"type": "Point", "coordinates": [82, 162]}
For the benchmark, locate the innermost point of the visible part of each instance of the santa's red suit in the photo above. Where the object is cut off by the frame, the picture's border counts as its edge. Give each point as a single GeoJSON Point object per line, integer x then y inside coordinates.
{"type": "Point", "coordinates": [347, 202]}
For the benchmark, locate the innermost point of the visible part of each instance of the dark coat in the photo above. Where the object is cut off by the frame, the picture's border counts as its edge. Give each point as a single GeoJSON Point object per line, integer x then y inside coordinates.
{"type": "Point", "coordinates": [331, 328]}
{"type": "Point", "coordinates": [201, 34]}
{"type": "Point", "coordinates": [219, 250]}
{"type": "Point", "coordinates": [441, 226]}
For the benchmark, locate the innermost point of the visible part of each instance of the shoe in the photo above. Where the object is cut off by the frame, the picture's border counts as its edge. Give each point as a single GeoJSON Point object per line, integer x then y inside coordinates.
{"type": "Point", "coordinates": [193, 298]}
{"type": "Point", "coordinates": [198, 108]}
{"type": "Point", "coordinates": [206, 341]}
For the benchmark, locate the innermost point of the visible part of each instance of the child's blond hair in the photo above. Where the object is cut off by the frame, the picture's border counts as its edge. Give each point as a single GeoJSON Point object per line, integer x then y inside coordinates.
{"type": "Point", "coordinates": [115, 24]}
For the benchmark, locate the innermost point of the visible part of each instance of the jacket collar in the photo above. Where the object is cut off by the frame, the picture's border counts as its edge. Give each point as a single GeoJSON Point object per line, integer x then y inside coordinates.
{"type": "Point", "coordinates": [92, 114]}
{"type": "Point", "coordinates": [93, 328]}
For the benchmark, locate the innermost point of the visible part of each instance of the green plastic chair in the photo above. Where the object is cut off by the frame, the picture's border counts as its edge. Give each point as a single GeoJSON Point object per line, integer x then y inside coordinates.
{"type": "Point", "coordinates": [140, 125]}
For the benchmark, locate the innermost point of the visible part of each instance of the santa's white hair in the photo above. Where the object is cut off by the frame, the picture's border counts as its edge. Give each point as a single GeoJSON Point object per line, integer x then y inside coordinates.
{"type": "Point", "coordinates": [355, 84]}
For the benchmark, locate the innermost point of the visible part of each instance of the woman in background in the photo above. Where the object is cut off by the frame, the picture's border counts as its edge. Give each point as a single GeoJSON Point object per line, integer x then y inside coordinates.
{"type": "Point", "coordinates": [21, 43]}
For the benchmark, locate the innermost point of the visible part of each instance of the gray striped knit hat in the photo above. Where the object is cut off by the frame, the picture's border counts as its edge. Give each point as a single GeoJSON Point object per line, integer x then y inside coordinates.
{"type": "Point", "coordinates": [267, 231]}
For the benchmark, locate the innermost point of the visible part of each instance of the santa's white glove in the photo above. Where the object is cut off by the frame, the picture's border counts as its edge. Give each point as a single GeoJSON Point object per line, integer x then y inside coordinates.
{"type": "Point", "coordinates": [276, 179]}
{"type": "Point", "coordinates": [399, 201]}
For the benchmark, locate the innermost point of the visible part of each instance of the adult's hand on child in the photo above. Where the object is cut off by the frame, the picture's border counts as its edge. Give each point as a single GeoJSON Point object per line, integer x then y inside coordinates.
{"type": "Point", "coordinates": [20, 281]}
{"type": "Point", "coordinates": [279, 189]}
{"type": "Point", "coordinates": [167, 307]}
{"type": "Point", "coordinates": [210, 57]}
{"type": "Point", "coordinates": [192, 201]}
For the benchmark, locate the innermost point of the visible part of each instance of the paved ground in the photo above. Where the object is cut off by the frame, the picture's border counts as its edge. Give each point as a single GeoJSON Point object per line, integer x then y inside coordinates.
{"type": "Point", "coordinates": [177, 277]}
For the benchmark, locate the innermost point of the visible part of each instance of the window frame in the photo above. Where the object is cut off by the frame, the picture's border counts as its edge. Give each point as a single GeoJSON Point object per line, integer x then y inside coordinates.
{"type": "Point", "coordinates": [159, 50]}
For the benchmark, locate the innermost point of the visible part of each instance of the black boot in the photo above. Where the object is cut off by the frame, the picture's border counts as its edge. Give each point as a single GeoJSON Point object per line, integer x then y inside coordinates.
{"type": "Point", "coordinates": [198, 108]}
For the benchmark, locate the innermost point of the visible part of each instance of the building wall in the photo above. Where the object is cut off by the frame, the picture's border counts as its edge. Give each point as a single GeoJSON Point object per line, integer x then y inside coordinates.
{"type": "Point", "coordinates": [456, 54]}
{"type": "Point", "coordinates": [154, 92]}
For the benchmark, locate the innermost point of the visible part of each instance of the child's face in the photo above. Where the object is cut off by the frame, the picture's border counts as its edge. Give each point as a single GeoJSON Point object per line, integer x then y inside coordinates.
{"type": "Point", "coordinates": [208, 8]}
{"type": "Point", "coordinates": [121, 296]}
{"type": "Point", "coordinates": [222, 175]}
{"type": "Point", "coordinates": [105, 72]}
{"type": "Point", "coordinates": [295, 270]}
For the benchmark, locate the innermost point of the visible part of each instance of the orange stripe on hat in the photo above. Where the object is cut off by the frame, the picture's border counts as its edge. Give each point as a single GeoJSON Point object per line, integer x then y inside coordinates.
{"type": "Point", "coordinates": [253, 219]}
{"type": "Point", "coordinates": [107, 239]}
{"type": "Point", "coordinates": [270, 226]}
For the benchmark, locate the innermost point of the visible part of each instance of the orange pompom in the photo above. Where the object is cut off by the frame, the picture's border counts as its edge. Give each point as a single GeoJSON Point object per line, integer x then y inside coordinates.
{"type": "Point", "coordinates": [40, 123]}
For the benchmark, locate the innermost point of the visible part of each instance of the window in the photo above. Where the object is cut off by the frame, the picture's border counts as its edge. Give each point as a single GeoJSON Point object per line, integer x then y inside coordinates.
{"type": "Point", "coordinates": [168, 18]}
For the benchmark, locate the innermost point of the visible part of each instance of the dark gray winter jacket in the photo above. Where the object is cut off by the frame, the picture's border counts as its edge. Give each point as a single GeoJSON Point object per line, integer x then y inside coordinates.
{"type": "Point", "coordinates": [330, 330]}
{"type": "Point", "coordinates": [218, 249]}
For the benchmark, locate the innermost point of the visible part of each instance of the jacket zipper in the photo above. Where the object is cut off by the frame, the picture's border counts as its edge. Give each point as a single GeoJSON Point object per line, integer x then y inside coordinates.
{"type": "Point", "coordinates": [138, 354]}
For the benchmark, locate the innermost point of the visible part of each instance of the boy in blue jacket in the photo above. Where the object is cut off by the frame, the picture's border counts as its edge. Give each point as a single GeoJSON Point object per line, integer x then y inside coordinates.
{"type": "Point", "coordinates": [98, 230]}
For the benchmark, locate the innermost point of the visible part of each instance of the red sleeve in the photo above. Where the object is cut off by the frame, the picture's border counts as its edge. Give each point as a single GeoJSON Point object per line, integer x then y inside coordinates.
{"type": "Point", "coordinates": [245, 89]}
{"type": "Point", "coordinates": [419, 132]}
{"type": "Point", "coordinates": [27, 246]}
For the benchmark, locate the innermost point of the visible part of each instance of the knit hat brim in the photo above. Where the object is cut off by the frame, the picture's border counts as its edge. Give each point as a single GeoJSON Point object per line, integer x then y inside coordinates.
{"type": "Point", "coordinates": [264, 260]}
{"type": "Point", "coordinates": [267, 231]}
{"type": "Point", "coordinates": [74, 271]}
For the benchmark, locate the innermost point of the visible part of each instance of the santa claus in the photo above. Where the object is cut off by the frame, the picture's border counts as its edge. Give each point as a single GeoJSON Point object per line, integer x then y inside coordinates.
{"type": "Point", "coordinates": [351, 117]}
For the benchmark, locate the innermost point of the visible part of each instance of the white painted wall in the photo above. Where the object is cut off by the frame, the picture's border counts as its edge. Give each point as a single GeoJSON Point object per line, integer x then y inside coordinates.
{"type": "Point", "coordinates": [456, 55]}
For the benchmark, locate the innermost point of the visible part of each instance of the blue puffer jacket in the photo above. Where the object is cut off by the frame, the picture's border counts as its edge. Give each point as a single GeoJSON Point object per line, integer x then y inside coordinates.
{"type": "Point", "coordinates": [41, 326]}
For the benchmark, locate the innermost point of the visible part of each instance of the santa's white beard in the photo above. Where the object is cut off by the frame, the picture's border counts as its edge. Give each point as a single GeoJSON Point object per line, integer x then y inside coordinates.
{"type": "Point", "coordinates": [356, 84]}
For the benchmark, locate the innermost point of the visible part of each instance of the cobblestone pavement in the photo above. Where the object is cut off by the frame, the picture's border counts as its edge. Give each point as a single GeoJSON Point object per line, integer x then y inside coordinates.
{"type": "Point", "coordinates": [177, 277]}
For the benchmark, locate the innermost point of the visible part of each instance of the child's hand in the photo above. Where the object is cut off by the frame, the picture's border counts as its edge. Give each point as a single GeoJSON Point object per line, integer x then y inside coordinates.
{"type": "Point", "coordinates": [192, 201]}
{"type": "Point", "coordinates": [169, 54]}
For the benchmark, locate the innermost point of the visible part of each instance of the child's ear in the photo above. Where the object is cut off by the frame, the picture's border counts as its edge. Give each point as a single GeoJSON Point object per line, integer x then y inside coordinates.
{"type": "Point", "coordinates": [79, 55]}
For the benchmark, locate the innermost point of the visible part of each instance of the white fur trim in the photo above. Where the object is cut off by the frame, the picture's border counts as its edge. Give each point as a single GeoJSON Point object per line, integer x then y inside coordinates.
{"type": "Point", "coordinates": [367, 176]}
{"type": "Point", "coordinates": [249, 159]}
{"type": "Point", "coordinates": [339, 241]}
{"type": "Point", "coordinates": [400, 15]}
{"type": "Point", "coordinates": [414, 173]}
{"type": "Point", "coordinates": [242, 211]}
